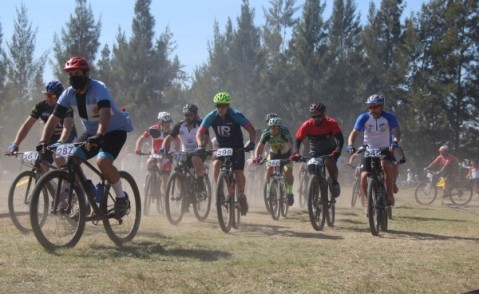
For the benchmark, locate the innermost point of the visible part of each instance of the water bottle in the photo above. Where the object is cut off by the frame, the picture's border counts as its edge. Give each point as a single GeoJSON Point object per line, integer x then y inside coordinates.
{"type": "Point", "coordinates": [90, 187]}
{"type": "Point", "coordinates": [99, 190]}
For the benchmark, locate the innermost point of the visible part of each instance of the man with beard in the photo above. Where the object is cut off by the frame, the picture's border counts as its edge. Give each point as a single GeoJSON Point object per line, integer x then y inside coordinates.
{"type": "Point", "coordinates": [325, 137]}
{"type": "Point", "coordinates": [104, 123]}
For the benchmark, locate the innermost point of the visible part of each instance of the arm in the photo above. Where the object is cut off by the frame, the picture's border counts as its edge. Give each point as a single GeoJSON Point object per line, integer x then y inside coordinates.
{"type": "Point", "coordinates": [24, 129]}
{"type": "Point", "coordinates": [259, 150]}
{"type": "Point", "coordinates": [138, 144]}
{"type": "Point", "coordinates": [166, 142]}
{"type": "Point", "coordinates": [68, 125]}
{"type": "Point", "coordinates": [105, 117]}
{"type": "Point", "coordinates": [49, 127]}
{"type": "Point", "coordinates": [352, 137]}
{"type": "Point", "coordinates": [396, 135]}
{"type": "Point", "coordinates": [199, 137]}
{"type": "Point", "coordinates": [251, 133]}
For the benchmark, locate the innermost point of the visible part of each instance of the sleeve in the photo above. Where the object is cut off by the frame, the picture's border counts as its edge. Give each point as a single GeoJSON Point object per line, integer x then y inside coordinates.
{"type": "Point", "coordinates": [392, 120]}
{"type": "Point", "coordinates": [239, 118]}
{"type": "Point", "coordinates": [360, 122]}
{"type": "Point", "coordinates": [60, 111]}
{"type": "Point", "coordinates": [302, 131]}
{"type": "Point", "coordinates": [264, 137]}
{"type": "Point", "coordinates": [175, 131]}
{"type": "Point", "coordinates": [36, 111]}
{"type": "Point", "coordinates": [207, 121]}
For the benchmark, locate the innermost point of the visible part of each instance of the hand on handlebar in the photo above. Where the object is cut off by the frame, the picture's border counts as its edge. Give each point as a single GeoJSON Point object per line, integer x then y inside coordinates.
{"type": "Point", "coordinates": [295, 157]}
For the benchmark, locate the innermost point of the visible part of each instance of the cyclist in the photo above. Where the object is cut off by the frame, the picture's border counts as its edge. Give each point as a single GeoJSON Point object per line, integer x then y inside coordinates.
{"type": "Point", "coordinates": [185, 131]}
{"type": "Point", "coordinates": [65, 130]}
{"type": "Point", "coordinates": [449, 169]}
{"type": "Point", "coordinates": [279, 148]}
{"type": "Point", "coordinates": [381, 130]}
{"type": "Point", "coordinates": [106, 128]}
{"type": "Point", "coordinates": [158, 132]}
{"type": "Point", "coordinates": [325, 137]}
{"type": "Point", "coordinates": [227, 123]}
{"type": "Point", "coordinates": [473, 176]}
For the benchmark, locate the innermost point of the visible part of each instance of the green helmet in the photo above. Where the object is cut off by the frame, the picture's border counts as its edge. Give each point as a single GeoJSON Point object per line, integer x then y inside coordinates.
{"type": "Point", "coordinates": [222, 98]}
{"type": "Point", "coordinates": [274, 121]}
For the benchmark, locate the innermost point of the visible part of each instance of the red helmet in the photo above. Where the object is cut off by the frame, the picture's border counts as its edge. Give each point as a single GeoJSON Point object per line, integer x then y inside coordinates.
{"type": "Point", "coordinates": [76, 62]}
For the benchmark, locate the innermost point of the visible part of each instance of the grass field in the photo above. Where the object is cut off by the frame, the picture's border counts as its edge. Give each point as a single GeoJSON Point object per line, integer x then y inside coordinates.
{"type": "Point", "coordinates": [432, 249]}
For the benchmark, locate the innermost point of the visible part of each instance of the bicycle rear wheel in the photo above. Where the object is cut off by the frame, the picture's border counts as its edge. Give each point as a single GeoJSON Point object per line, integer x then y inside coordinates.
{"type": "Point", "coordinates": [203, 204]}
{"type": "Point", "coordinates": [274, 198]}
{"type": "Point", "coordinates": [461, 196]}
{"type": "Point", "coordinates": [174, 198]}
{"type": "Point", "coordinates": [124, 229]}
{"type": "Point", "coordinates": [315, 204]}
{"type": "Point", "coordinates": [355, 193]}
{"type": "Point", "coordinates": [19, 197]}
{"type": "Point", "coordinates": [425, 192]}
{"type": "Point", "coordinates": [53, 227]}
{"type": "Point", "coordinates": [224, 203]}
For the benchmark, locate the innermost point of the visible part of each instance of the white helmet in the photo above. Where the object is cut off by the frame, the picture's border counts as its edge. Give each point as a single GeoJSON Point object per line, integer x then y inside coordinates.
{"type": "Point", "coordinates": [165, 116]}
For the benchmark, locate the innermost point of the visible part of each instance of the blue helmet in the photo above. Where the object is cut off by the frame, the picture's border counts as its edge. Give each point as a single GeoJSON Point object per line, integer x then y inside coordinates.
{"type": "Point", "coordinates": [375, 99]}
{"type": "Point", "coordinates": [54, 87]}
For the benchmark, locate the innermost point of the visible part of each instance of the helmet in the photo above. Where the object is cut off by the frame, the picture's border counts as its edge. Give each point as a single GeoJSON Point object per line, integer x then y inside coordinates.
{"type": "Point", "coordinates": [275, 121]}
{"type": "Point", "coordinates": [443, 148]}
{"type": "Point", "coordinates": [76, 62]}
{"type": "Point", "coordinates": [222, 97]}
{"type": "Point", "coordinates": [317, 108]}
{"type": "Point", "coordinates": [165, 116]}
{"type": "Point", "coordinates": [190, 108]}
{"type": "Point", "coordinates": [375, 99]}
{"type": "Point", "coordinates": [54, 87]}
{"type": "Point", "coordinates": [269, 116]}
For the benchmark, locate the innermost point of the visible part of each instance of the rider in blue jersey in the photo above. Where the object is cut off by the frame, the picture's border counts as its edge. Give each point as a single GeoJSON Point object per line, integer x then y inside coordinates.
{"type": "Point", "coordinates": [105, 126]}
{"type": "Point", "coordinates": [226, 123]}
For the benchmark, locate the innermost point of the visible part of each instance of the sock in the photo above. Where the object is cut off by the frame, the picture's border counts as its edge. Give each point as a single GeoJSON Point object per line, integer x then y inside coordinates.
{"type": "Point", "coordinates": [118, 189]}
{"type": "Point", "coordinates": [289, 189]}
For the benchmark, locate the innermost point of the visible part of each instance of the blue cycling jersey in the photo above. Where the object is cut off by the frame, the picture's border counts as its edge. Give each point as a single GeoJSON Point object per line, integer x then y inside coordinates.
{"type": "Point", "coordinates": [228, 129]}
{"type": "Point", "coordinates": [86, 106]}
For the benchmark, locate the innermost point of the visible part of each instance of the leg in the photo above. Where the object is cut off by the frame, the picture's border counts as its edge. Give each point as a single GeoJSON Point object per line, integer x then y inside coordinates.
{"type": "Point", "coordinates": [333, 173]}
{"type": "Point", "coordinates": [289, 180]}
{"type": "Point", "coordinates": [389, 179]}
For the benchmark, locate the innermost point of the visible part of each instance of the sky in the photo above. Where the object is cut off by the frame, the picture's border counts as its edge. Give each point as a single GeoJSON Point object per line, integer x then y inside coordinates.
{"type": "Point", "coordinates": [190, 21]}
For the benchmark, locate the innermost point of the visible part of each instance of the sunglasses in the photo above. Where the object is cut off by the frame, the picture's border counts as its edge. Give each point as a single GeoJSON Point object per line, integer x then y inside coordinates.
{"type": "Point", "coordinates": [189, 115]}
{"type": "Point", "coordinates": [315, 116]}
{"type": "Point", "coordinates": [50, 95]}
{"type": "Point", "coordinates": [221, 105]}
{"type": "Point", "coordinates": [374, 106]}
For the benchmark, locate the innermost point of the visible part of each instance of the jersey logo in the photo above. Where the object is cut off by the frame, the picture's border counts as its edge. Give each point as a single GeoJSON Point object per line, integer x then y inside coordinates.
{"type": "Point", "coordinates": [224, 131]}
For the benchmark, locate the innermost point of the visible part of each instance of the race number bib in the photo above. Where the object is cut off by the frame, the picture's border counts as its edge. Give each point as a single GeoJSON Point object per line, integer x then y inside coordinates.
{"type": "Point", "coordinates": [65, 150]}
{"type": "Point", "coordinates": [274, 162]}
{"type": "Point", "coordinates": [316, 161]}
{"type": "Point", "coordinates": [224, 152]}
{"type": "Point", "coordinates": [180, 156]}
{"type": "Point", "coordinates": [29, 158]}
{"type": "Point", "coordinates": [372, 152]}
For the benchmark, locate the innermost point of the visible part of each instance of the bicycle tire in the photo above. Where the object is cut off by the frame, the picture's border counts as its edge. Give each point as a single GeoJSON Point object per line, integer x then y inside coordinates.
{"type": "Point", "coordinates": [149, 182]}
{"type": "Point", "coordinates": [330, 205]}
{"type": "Point", "coordinates": [461, 197]}
{"type": "Point", "coordinates": [274, 199]}
{"type": "Point", "coordinates": [57, 230]}
{"type": "Point", "coordinates": [224, 203]}
{"type": "Point", "coordinates": [315, 205]}
{"type": "Point", "coordinates": [202, 206]}
{"type": "Point", "coordinates": [235, 211]}
{"type": "Point", "coordinates": [425, 192]}
{"type": "Point", "coordinates": [266, 198]}
{"type": "Point", "coordinates": [175, 198]}
{"type": "Point", "coordinates": [373, 212]}
{"type": "Point", "coordinates": [283, 201]}
{"type": "Point", "coordinates": [355, 193]}
{"type": "Point", "coordinates": [19, 200]}
{"type": "Point", "coordinates": [160, 197]}
{"type": "Point", "coordinates": [123, 230]}
{"type": "Point", "coordinates": [303, 191]}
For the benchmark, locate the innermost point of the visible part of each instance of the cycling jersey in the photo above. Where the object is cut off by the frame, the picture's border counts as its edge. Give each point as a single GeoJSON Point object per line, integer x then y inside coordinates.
{"type": "Point", "coordinates": [42, 111]}
{"type": "Point", "coordinates": [277, 145]}
{"type": "Point", "coordinates": [157, 135]}
{"type": "Point", "coordinates": [449, 162]}
{"type": "Point", "coordinates": [228, 129]}
{"type": "Point", "coordinates": [87, 106]}
{"type": "Point", "coordinates": [323, 139]}
{"type": "Point", "coordinates": [377, 131]}
{"type": "Point", "coordinates": [187, 137]}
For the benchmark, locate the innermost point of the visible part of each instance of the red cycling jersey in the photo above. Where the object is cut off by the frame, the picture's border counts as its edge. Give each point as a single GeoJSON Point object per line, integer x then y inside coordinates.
{"type": "Point", "coordinates": [322, 138]}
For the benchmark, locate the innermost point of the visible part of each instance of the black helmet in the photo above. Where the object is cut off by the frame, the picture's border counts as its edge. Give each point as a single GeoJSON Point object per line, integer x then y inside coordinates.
{"type": "Point", "coordinates": [190, 108]}
{"type": "Point", "coordinates": [317, 108]}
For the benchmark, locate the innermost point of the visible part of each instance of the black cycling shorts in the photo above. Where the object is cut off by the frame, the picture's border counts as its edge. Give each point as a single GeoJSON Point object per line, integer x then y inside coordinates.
{"type": "Point", "coordinates": [111, 146]}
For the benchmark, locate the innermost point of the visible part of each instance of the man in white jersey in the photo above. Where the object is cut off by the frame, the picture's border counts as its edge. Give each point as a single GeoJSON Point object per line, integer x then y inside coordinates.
{"type": "Point", "coordinates": [381, 130]}
{"type": "Point", "coordinates": [186, 130]}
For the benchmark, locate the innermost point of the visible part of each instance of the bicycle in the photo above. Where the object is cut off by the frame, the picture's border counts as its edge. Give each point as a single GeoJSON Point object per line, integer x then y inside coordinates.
{"type": "Point", "coordinates": [64, 221]}
{"type": "Point", "coordinates": [153, 185]}
{"type": "Point", "coordinates": [182, 190]}
{"type": "Point", "coordinates": [426, 190]}
{"type": "Point", "coordinates": [227, 204]}
{"type": "Point", "coordinates": [379, 211]}
{"type": "Point", "coordinates": [303, 185]}
{"type": "Point", "coordinates": [276, 201]}
{"type": "Point", "coordinates": [321, 204]}
{"type": "Point", "coordinates": [356, 184]}
{"type": "Point", "coordinates": [22, 186]}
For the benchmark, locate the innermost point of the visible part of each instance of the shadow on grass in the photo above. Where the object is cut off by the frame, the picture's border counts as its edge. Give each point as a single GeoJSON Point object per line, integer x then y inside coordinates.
{"type": "Point", "coordinates": [435, 219]}
{"type": "Point", "coordinates": [429, 236]}
{"type": "Point", "coordinates": [278, 230]}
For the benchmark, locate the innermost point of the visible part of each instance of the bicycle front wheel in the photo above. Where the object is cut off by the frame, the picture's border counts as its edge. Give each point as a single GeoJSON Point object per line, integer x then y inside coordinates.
{"type": "Point", "coordinates": [274, 199]}
{"type": "Point", "coordinates": [224, 203]}
{"type": "Point", "coordinates": [355, 194]}
{"type": "Point", "coordinates": [266, 198]}
{"type": "Point", "coordinates": [315, 204]}
{"type": "Point", "coordinates": [148, 193]}
{"type": "Point", "coordinates": [375, 213]}
{"type": "Point", "coordinates": [203, 202]}
{"type": "Point", "coordinates": [124, 229]}
{"type": "Point", "coordinates": [283, 201]}
{"type": "Point", "coordinates": [303, 191]}
{"type": "Point", "coordinates": [19, 197]}
{"type": "Point", "coordinates": [61, 226]}
{"type": "Point", "coordinates": [425, 192]}
{"type": "Point", "coordinates": [174, 198]}
{"type": "Point", "coordinates": [330, 205]}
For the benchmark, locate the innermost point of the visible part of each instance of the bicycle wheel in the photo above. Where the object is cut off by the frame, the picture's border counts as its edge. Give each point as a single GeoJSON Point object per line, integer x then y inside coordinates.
{"type": "Point", "coordinates": [236, 212]}
{"type": "Point", "coordinates": [174, 198]}
{"type": "Point", "coordinates": [303, 191]}
{"type": "Point", "coordinates": [158, 196]}
{"type": "Point", "coordinates": [56, 228]}
{"type": "Point", "coordinates": [330, 203]}
{"type": "Point", "coordinates": [203, 203]}
{"type": "Point", "coordinates": [19, 197]}
{"type": "Point", "coordinates": [274, 198]}
{"type": "Point", "coordinates": [124, 229]}
{"type": "Point", "coordinates": [148, 193]}
{"type": "Point", "coordinates": [460, 196]}
{"type": "Point", "coordinates": [374, 214]}
{"type": "Point", "coordinates": [425, 192]}
{"type": "Point", "coordinates": [315, 205]}
{"type": "Point", "coordinates": [224, 203]}
{"type": "Point", "coordinates": [355, 193]}
{"type": "Point", "coordinates": [283, 201]}
{"type": "Point", "coordinates": [266, 198]}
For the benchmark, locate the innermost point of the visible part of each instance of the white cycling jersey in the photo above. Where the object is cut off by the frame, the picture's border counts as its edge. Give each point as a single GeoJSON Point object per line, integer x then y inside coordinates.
{"type": "Point", "coordinates": [187, 137]}
{"type": "Point", "coordinates": [377, 131]}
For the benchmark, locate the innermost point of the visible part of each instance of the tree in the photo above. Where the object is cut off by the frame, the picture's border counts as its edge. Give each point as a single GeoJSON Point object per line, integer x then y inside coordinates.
{"type": "Point", "coordinates": [78, 38]}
